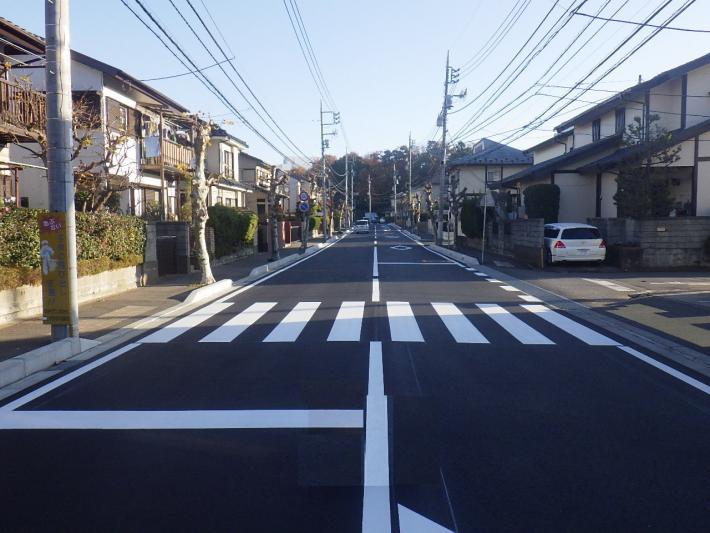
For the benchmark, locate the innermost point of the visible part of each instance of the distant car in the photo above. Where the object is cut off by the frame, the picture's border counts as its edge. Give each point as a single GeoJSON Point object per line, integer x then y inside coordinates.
{"type": "Point", "coordinates": [362, 226]}
{"type": "Point", "coordinates": [573, 242]}
{"type": "Point", "coordinates": [382, 221]}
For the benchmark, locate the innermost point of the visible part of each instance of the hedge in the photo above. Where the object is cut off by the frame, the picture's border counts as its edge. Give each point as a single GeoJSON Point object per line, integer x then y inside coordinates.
{"type": "Point", "coordinates": [105, 241]}
{"type": "Point", "coordinates": [233, 229]}
{"type": "Point", "coordinates": [542, 201]}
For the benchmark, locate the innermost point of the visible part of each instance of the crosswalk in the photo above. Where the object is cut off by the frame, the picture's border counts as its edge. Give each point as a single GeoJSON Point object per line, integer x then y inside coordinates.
{"type": "Point", "coordinates": [521, 322]}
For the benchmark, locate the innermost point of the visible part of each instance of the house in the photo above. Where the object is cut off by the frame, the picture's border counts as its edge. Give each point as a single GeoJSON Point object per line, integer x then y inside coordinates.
{"type": "Point", "coordinates": [487, 164]}
{"type": "Point", "coordinates": [22, 110]}
{"type": "Point", "coordinates": [140, 140]}
{"type": "Point", "coordinates": [584, 156]}
{"type": "Point", "coordinates": [222, 161]}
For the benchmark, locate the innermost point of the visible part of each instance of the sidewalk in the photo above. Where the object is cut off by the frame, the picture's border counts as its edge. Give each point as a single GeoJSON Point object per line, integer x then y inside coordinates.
{"type": "Point", "coordinates": [107, 314]}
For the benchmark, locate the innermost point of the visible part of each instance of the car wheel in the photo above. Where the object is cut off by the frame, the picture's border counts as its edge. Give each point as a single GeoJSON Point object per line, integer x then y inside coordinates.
{"type": "Point", "coordinates": [548, 257]}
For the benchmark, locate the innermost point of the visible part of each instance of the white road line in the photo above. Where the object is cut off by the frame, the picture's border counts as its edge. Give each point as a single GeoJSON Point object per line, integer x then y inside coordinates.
{"type": "Point", "coordinates": [27, 398]}
{"type": "Point", "coordinates": [583, 333]}
{"type": "Point", "coordinates": [234, 327]}
{"type": "Point", "coordinates": [348, 323]}
{"type": "Point", "coordinates": [177, 328]}
{"type": "Point", "coordinates": [493, 280]}
{"type": "Point", "coordinates": [416, 263]}
{"type": "Point", "coordinates": [375, 290]}
{"type": "Point", "coordinates": [411, 522]}
{"type": "Point", "coordinates": [131, 420]}
{"type": "Point", "coordinates": [529, 298]}
{"type": "Point", "coordinates": [458, 325]}
{"type": "Point", "coordinates": [293, 323]}
{"type": "Point", "coordinates": [403, 325]}
{"type": "Point", "coordinates": [470, 269]}
{"type": "Point", "coordinates": [609, 285]}
{"type": "Point", "coordinates": [483, 275]}
{"type": "Point", "coordinates": [376, 491]}
{"type": "Point", "coordinates": [702, 387]}
{"type": "Point", "coordinates": [513, 325]}
{"type": "Point", "coordinates": [375, 270]}
{"type": "Point", "coordinates": [509, 288]}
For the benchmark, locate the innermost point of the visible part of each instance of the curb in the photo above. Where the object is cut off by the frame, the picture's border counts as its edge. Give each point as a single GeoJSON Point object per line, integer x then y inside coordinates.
{"type": "Point", "coordinates": [457, 256]}
{"type": "Point", "coordinates": [662, 346]}
{"type": "Point", "coordinates": [36, 365]}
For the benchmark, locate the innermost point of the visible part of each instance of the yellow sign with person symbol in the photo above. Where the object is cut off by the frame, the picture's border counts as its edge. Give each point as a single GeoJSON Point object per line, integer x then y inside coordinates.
{"type": "Point", "coordinates": [53, 264]}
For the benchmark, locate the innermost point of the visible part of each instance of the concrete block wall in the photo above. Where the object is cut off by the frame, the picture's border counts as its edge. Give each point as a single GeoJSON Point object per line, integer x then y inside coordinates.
{"type": "Point", "coordinates": [524, 241]}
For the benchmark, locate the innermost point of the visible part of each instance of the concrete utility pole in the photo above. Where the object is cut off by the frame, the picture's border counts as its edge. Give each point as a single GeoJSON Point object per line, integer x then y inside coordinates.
{"type": "Point", "coordinates": [59, 146]}
{"type": "Point", "coordinates": [323, 145]}
{"type": "Point", "coordinates": [352, 191]}
{"type": "Point", "coordinates": [409, 145]}
{"type": "Point", "coordinates": [394, 181]}
{"type": "Point", "coordinates": [345, 211]}
{"type": "Point", "coordinates": [369, 193]}
{"type": "Point", "coordinates": [452, 76]}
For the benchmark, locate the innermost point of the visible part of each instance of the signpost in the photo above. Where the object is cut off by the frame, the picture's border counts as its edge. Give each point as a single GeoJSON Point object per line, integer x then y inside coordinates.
{"type": "Point", "coordinates": [304, 207]}
{"type": "Point", "coordinates": [55, 271]}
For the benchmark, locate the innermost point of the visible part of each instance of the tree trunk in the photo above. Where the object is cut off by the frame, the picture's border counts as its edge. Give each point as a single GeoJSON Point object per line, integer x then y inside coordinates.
{"type": "Point", "coordinates": [200, 190]}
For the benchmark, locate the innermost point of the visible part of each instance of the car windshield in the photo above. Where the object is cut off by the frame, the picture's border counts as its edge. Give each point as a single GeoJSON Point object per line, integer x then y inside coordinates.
{"type": "Point", "coordinates": [581, 233]}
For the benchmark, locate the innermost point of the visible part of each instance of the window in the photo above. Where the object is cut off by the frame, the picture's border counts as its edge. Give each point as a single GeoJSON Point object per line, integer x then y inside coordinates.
{"type": "Point", "coordinates": [493, 175]}
{"type": "Point", "coordinates": [229, 202]}
{"type": "Point", "coordinates": [116, 115]}
{"type": "Point", "coordinates": [219, 200]}
{"type": "Point", "coordinates": [228, 163]}
{"type": "Point", "coordinates": [551, 233]}
{"type": "Point", "coordinates": [596, 130]}
{"type": "Point", "coordinates": [24, 201]}
{"type": "Point", "coordinates": [620, 120]}
{"type": "Point", "coordinates": [581, 233]}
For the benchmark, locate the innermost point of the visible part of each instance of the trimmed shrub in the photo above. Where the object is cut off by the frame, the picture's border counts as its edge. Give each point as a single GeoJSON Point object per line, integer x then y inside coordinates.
{"type": "Point", "coordinates": [232, 229]}
{"type": "Point", "coordinates": [543, 201]}
{"type": "Point", "coordinates": [105, 241]}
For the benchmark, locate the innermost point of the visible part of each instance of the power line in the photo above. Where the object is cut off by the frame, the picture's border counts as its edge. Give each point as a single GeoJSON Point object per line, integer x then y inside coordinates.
{"type": "Point", "coordinates": [172, 76]}
{"type": "Point", "coordinates": [674, 28]}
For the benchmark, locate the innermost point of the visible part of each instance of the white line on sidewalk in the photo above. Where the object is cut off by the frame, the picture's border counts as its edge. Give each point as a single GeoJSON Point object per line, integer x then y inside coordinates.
{"type": "Point", "coordinates": [234, 327]}
{"type": "Point", "coordinates": [177, 328]}
{"type": "Point", "coordinates": [376, 492]}
{"type": "Point", "coordinates": [403, 325]}
{"type": "Point", "coordinates": [513, 325]}
{"type": "Point", "coordinates": [458, 325]}
{"type": "Point", "coordinates": [609, 285]}
{"type": "Point", "coordinates": [583, 333]}
{"type": "Point", "coordinates": [348, 323]}
{"type": "Point", "coordinates": [293, 323]}
{"type": "Point", "coordinates": [202, 419]}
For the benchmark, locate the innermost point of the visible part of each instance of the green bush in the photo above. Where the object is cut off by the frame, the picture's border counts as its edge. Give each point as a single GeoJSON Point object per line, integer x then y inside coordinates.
{"type": "Point", "coordinates": [104, 241]}
{"type": "Point", "coordinates": [98, 235]}
{"type": "Point", "coordinates": [471, 218]}
{"type": "Point", "coordinates": [232, 229]}
{"type": "Point", "coordinates": [543, 201]}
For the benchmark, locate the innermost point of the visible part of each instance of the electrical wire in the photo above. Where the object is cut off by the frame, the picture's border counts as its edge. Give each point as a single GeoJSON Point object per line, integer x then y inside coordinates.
{"type": "Point", "coordinates": [673, 28]}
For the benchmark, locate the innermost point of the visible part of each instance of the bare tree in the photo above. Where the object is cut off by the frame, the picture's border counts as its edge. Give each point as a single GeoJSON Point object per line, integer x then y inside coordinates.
{"type": "Point", "coordinates": [199, 191]}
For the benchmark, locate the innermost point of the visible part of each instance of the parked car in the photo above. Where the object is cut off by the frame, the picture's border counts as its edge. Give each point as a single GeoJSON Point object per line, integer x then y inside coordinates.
{"type": "Point", "coordinates": [573, 242]}
{"type": "Point", "coordinates": [382, 220]}
{"type": "Point", "coordinates": [362, 226]}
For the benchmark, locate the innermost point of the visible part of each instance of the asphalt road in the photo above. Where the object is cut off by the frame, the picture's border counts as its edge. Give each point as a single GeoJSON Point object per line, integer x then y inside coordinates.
{"type": "Point", "coordinates": [348, 393]}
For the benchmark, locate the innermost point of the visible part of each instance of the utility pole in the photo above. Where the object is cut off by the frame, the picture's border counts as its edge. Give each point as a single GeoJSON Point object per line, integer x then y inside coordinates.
{"type": "Point", "coordinates": [345, 211]}
{"type": "Point", "coordinates": [324, 143]}
{"type": "Point", "coordinates": [452, 76]}
{"type": "Point", "coordinates": [59, 149]}
{"type": "Point", "coordinates": [409, 145]}
{"type": "Point", "coordinates": [369, 193]}
{"type": "Point", "coordinates": [352, 191]}
{"type": "Point", "coordinates": [394, 180]}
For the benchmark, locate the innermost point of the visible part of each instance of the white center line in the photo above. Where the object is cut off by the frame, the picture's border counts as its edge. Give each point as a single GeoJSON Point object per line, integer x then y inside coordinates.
{"type": "Point", "coordinates": [292, 325]}
{"type": "Point", "coordinates": [375, 270]}
{"type": "Point", "coordinates": [376, 492]}
{"type": "Point", "coordinates": [609, 285]}
{"type": "Point", "coordinates": [348, 323]}
{"type": "Point", "coordinates": [375, 290]}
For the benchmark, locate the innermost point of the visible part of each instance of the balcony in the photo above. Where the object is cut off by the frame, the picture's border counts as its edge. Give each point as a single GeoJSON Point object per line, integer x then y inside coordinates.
{"type": "Point", "coordinates": [21, 110]}
{"type": "Point", "coordinates": [176, 157]}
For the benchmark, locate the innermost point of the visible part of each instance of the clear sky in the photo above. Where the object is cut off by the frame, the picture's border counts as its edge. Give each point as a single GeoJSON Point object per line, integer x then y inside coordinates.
{"type": "Point", "coordinates": [383, 60]}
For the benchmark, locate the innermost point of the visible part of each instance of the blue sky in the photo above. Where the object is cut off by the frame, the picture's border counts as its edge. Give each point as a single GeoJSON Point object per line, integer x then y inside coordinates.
{"type": "Point", "coordinates": [383, 61]}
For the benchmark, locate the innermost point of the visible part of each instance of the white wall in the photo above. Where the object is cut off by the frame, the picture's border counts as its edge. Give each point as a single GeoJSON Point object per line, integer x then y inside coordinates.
{"type": "Point", "coordinates": [609, 188]}
{"type": "Point", "coordinates": [83, 78]}
{"type": "Point", "coordinates": [665, 101]}
{"type": "Point", "coordinates": [548, 152]}
{"type": "Point", "coordinates": [698, 102]}
{"type": "Point", "coordinates": [577, 196]}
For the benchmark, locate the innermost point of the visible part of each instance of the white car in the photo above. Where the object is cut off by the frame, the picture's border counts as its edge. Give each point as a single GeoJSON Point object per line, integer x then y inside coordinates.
{"type": "Point", "coordinates": [573, 242]}
{"type": "Point", "coordinates": [362, 226]}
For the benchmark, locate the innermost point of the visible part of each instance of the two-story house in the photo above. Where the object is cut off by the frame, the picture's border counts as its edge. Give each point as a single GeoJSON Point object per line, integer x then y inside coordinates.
{"type": "Point", "coordinates": [585, 155]}
{"type": "Point", "coordinates": [142, 138]}
{"type": "Point", "coordinates": [222, 163]}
